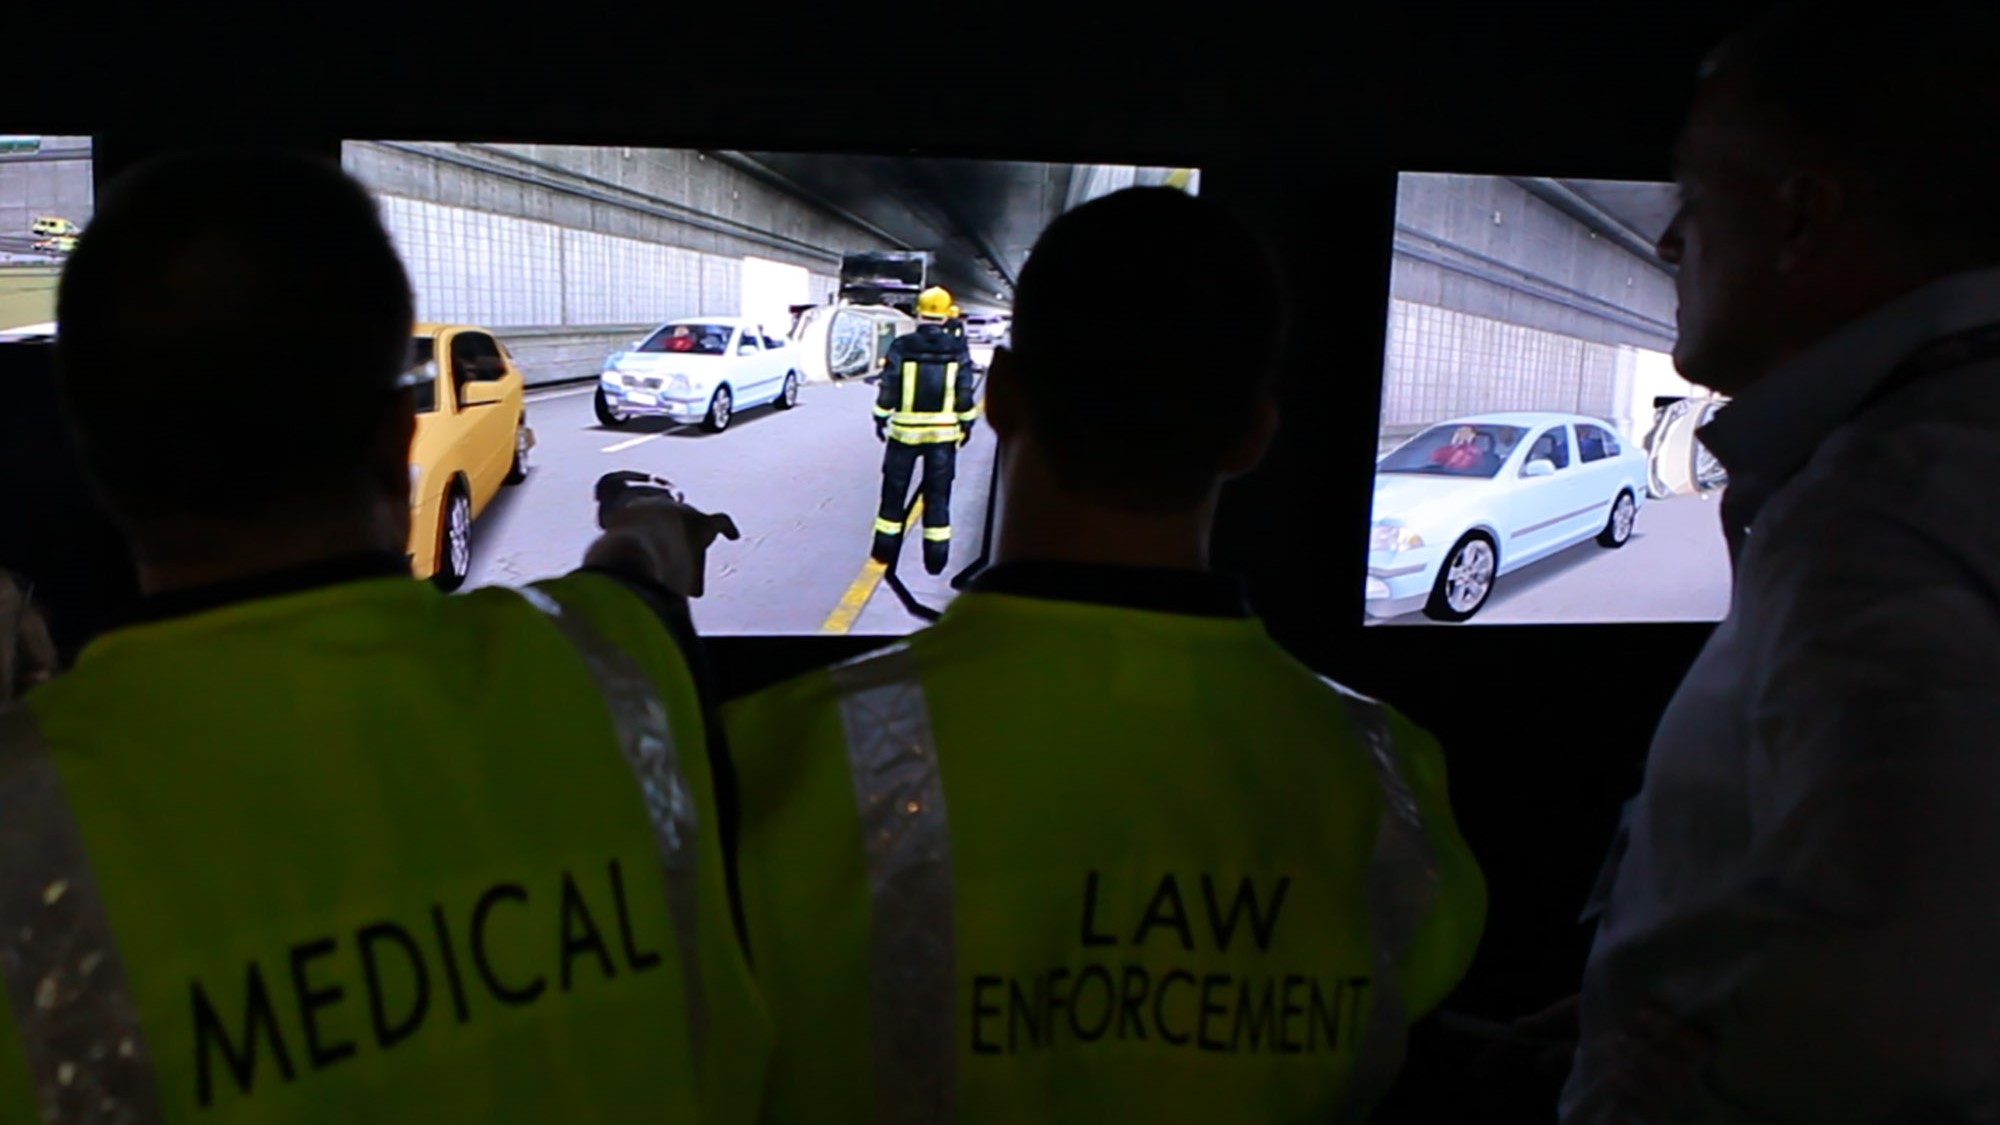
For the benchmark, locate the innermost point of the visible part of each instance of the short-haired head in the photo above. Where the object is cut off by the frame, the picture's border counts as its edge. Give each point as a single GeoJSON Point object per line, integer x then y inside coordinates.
{"type": "Point", "coordinates": [1146, 330]}
{"type": "Point", "coordinates": [1900, 99]}
{"type": "Point", "coordinates": [233, 329]}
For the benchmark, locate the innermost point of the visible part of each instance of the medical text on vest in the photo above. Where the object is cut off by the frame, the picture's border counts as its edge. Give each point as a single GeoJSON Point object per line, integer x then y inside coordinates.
{"type": "Point", "coordinates": [397, 961]}
{"type": "Point", "coordinates": [1105, 998]}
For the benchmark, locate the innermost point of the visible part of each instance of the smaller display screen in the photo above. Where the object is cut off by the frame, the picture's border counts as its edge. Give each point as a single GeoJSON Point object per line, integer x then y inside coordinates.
{"type": "Point", "coordinates": [1538, 462]}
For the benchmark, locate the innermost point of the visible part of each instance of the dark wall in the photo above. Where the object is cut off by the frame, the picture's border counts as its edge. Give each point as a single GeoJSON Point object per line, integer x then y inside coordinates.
{"type": "Point", "coordinates": [1297, 128]}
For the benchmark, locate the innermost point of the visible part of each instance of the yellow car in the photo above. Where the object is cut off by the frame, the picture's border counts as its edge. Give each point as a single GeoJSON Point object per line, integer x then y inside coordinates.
{"type": "Point", "coordinates": [53, 226]}
{"type": "Point", "coordinates": [472, 437]}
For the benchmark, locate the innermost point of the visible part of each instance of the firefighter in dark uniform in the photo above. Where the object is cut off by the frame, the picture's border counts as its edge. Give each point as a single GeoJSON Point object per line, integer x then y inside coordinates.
{"type": "Point", "coordinates": [924, 411]}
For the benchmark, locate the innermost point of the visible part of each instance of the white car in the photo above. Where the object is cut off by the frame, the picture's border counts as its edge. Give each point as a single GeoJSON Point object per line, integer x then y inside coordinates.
{"type": "Point", "coordinates": [699, 369]}
{"type": "Point", "coordinates": [25, 333]}
{"type": "Point", "coordinates": [1471, 499]}
{"type": "Point", "coordinates": [984, 331]}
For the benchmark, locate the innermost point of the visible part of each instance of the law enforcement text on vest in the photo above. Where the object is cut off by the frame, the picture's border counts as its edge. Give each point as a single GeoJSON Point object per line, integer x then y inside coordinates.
{"type": "Point", "coordinates": [443, 952]}
{"type": "Point", "coordinates": [1010, 938]}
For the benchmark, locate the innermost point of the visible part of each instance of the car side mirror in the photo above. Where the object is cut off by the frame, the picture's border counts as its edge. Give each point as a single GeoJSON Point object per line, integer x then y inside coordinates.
{"type": "Point", "coordinates": [482, 394]}
{"type": "Point", "coordinates": [1539, 468]}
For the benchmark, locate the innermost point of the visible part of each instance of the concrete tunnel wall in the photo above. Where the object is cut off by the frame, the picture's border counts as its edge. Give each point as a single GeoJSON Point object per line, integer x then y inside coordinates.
{"type": "Point", "coordinates": [570, 252]}
{"type": "Point", "coordinates": [1498, 301]}
{"type": "Point", "coordinates": [53, 181]}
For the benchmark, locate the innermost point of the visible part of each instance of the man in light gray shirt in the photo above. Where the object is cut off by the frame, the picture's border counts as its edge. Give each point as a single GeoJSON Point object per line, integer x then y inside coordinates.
{"type": "Point", "coordinates": [1809, 878]}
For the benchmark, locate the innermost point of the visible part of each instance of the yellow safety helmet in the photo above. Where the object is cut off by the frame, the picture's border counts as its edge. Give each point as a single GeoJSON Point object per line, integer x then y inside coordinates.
{"type": "Point", "coordinates": [934, 301]}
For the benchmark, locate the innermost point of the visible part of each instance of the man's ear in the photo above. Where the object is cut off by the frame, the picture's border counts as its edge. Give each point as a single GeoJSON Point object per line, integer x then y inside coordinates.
{"type": "Point", "coordinates": [1003, 405]}
{"type": "Point", "coordinates": [1810, 203]}
{"type": "Point", "coordinates": [1249, 450]}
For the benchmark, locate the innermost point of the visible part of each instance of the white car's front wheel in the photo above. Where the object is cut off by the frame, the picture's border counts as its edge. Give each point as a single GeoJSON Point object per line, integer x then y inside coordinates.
{"type": "Point", "coordinates": [1465, 580]}
{"type": "Point", "coordinates": [719, 411]}
{"type": "Point", "coordinates": [607, 414]}
{"type": "Point", "coordinates": [1624, 516]}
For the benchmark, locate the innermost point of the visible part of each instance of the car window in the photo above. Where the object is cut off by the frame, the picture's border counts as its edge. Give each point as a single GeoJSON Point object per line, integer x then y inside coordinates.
{"type": "Point", "coordinates": [1595, 443]}
{"type": "Point", "coordinates": [771, 344]}
{"type": "Point", "coordinates": [750, 340]}
{"type": "Point", "coordinates": [423, 373]}
{"type": "Point", "coordinates": [1552, 447]}
{"type": "Point", "coordinates": [689, 339]}
{"type": "Point", "coordinates": [1456, 449]}
{"type": "Point", "coordinates": [474, 356]}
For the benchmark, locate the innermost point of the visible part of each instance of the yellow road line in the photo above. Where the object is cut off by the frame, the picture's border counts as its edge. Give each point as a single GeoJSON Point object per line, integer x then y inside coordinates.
{"type": "Point", "coordinates": [863, 588]}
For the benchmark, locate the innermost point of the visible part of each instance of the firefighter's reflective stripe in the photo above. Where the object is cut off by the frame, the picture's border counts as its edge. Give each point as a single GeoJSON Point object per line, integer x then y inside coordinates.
{"type": "Point", "coordinates": [646, 738]}
{"type": "Point", "coordinates": [884, 412]}
{"type": "Point", "coordinates": [900, 798]}
{"type": "Point", "coordinates": [66, 985]}
{"type": "Point", "coordinates": [938, 534]}
{"type": "Point", "coordinates": [888, 527]}
{"type": "Point", "coordinates": [928, 418]}
{"type": "Point", "coordinates": [924, 435]}
{"type": "Point", "coordinates": [1402, 886]}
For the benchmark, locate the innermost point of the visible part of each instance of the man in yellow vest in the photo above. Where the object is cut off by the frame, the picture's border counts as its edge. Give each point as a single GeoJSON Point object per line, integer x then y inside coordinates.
{"type": "Point", "coordinates": [1093, 847]}
{"type": "Point", "coordinates": [308, 840]}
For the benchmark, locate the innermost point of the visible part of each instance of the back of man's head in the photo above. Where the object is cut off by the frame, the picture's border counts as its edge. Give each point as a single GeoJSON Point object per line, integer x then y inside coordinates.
{"type": "Point", "coordinates": [232, 328]}
{"type": "Point", "coordinates": [1147, 326]}
{"type": "Point", "coordinates": [1901, 98]}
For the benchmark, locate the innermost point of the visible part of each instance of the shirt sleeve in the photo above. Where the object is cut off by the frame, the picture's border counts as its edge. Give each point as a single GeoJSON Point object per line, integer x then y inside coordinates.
{"type": "Point", "coordinates": [1448, 936]}
{"type": "Point", "coordinates": [1850, 976]}
{"type": "Point", "coordinates": [966, 393]}
{"type": "Point", "coordinates": [889, 391]}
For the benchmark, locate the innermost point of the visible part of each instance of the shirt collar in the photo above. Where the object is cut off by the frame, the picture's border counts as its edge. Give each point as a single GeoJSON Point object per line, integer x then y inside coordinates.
{"type": "Point", "coordinates": [1773, 426]}
{"type": "Point", "coordinates": [292, 580]}
{"type": "Point", "coordinates": [1152, 589]}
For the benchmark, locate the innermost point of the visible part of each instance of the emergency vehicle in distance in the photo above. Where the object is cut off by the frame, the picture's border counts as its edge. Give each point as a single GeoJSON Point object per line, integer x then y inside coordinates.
{"type": "Point", "coordinates": [472, 437]}
{"type": "Point", "coordinates": [884, 277]}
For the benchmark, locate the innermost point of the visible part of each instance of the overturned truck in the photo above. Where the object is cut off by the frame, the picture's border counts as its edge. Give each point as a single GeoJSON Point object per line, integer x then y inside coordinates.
{"type": "Point", "coordinates": [891, 278]}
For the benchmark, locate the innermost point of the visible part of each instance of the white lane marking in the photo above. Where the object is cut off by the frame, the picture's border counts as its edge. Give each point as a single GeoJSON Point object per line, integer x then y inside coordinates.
{"type": "Point", "coordinates": [624, 445]}
{"type": "Point", "coordinates": [545, 397]}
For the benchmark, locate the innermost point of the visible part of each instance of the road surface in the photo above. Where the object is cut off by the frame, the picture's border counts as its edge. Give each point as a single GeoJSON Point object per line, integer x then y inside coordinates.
{"type": "Point", "coordinates": [1675, 568]}
{"type": "Point", "coordinates": [801, 484]}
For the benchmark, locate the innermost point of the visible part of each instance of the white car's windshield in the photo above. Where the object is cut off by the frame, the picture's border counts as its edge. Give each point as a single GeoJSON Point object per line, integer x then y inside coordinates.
{"type": "Point", "coordinates": [690, 339]}
{"type": "Point", "coordinates": [1469, 449]}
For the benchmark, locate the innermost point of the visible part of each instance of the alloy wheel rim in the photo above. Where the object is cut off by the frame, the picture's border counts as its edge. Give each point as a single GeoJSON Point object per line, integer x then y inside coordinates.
{"type": "Point", "coordinates": [461, 536]}
{"type": "Point", "coordinates": [1471, 576]}
{"type": "Point", "coordinates": [722, 408]}
{"type": "Point", "coordinates": [1622, 521]}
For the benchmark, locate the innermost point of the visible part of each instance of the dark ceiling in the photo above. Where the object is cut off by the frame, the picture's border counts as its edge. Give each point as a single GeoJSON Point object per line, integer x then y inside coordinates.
{"type": "Point", "coordinates": [978, 217]}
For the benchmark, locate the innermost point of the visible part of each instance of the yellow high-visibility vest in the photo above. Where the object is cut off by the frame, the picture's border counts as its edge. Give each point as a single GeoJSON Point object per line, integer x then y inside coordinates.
{"type": "Point", "coordinates": [370, 853]}
{"type": "Point", "coordinates": [1049, 861]}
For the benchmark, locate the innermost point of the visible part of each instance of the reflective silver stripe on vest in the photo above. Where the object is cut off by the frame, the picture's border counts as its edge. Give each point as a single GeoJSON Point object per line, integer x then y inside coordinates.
{"type": "Point", "coordinates": [899, 794]}
{"type": "Point", "coordinates": [647, 739]}
{"type": "Point", "coordinates": [66, 985]}
{"type": "Point", "coordinates": [1402, 885]}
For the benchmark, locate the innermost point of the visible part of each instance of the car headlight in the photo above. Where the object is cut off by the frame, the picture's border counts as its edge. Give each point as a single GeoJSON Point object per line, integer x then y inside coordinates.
{"type": "Point", "coordinates": [1394, 537]}
{"type": "Point", "coordinates": [679, 385]}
